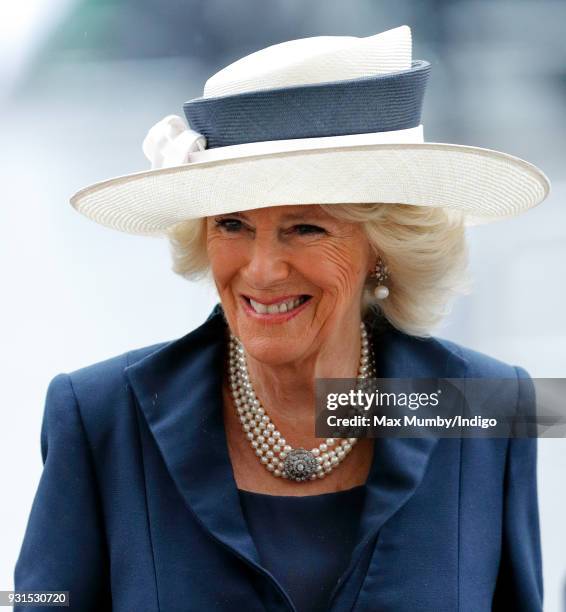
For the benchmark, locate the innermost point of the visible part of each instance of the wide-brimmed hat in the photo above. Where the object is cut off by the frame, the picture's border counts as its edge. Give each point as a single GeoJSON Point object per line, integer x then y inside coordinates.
{"type": "Point", "coordinates": [320, 120]}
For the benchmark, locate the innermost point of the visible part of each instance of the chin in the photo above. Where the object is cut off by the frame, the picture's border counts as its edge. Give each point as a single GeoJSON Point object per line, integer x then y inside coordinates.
{"type": "Point", "coordinates": [272, 350]}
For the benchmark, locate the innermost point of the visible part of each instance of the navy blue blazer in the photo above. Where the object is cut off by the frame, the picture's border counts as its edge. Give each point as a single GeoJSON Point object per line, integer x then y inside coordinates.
{"type": "Point", "coordinates": [137, 508]}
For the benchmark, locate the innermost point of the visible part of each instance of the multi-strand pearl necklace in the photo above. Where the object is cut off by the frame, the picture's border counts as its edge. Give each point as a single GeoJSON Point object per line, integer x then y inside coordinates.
{"type": "Point", "coordinates": [280, 458]}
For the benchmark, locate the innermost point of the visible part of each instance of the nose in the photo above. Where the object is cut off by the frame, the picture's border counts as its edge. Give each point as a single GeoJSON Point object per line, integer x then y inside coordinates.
{"type": "Point", "coordinates": [267, 263]}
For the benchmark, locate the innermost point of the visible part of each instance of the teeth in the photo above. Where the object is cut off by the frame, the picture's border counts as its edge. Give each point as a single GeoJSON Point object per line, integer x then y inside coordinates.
{"type": "Point", "coordinates": [258, 307]}
{"type": "Point", "coordinates": [276, 308]}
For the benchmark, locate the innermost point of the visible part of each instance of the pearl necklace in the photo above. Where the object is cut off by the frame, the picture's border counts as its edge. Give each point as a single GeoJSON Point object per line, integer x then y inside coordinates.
{"type": "Point", "coordinates": [280, 458]}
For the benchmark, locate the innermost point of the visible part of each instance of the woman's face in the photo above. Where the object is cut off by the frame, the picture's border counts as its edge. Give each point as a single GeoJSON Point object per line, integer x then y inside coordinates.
{"type": "Point", "coordinates": [288, 277]}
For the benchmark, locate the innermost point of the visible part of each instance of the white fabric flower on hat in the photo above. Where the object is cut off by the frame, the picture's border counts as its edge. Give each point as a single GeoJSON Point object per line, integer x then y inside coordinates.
{"type": "Point", "coordinates": [169, 143]}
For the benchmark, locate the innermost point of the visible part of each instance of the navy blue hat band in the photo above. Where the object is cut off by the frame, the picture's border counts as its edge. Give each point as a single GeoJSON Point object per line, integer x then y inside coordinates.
{"type": "Point", "coordinates": [380, 103]}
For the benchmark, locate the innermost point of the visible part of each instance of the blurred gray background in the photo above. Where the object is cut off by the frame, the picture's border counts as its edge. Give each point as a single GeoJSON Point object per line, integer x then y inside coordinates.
{"type": "Point", "coordinates": [81, 82]}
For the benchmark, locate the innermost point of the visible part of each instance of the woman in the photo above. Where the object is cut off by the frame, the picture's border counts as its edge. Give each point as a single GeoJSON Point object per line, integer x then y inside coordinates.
{"type": "Point", "coordinates": [187, 475]}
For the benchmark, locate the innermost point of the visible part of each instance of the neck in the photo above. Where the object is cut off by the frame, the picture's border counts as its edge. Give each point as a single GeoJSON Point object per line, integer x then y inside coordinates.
{"type": "Point", "coordinates": [287, 391]}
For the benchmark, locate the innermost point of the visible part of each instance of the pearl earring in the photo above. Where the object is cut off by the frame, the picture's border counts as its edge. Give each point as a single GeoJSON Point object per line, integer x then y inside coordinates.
{"type": "Point", "coordinates": [381, 273]}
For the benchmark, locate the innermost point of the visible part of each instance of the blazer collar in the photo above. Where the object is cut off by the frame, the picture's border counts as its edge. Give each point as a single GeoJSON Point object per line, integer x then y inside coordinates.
{"type": "Point", "coordinates": [178, 388]}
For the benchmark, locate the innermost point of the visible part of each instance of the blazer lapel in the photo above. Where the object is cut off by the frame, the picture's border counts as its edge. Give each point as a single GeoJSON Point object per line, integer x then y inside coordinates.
{"type": "Point", "coordinates": [178, 388]}
{"type": "Point", "coordinates": [398, 464]}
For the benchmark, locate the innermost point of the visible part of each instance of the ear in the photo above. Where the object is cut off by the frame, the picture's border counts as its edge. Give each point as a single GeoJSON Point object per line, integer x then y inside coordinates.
{"type": "Point", "coordinates": [373, 259]}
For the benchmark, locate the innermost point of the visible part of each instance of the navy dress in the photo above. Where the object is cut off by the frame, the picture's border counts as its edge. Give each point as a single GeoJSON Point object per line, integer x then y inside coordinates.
{"type": "Point", "coordinates": [306, 542]}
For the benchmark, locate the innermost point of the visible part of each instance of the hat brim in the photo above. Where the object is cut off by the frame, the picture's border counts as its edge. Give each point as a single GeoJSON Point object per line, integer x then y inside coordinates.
{"type": "Point", "coordinates": [483, 184]}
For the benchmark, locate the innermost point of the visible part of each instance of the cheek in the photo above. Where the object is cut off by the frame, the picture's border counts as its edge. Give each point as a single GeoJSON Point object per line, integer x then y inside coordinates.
{"type": "Point", "coordinates": [225, 258]}
{"type": "Point", "coordinates": [338, 269]}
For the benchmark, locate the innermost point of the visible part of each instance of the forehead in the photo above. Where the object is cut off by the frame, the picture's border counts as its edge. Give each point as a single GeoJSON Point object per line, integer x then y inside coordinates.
{"type": "Point", "coordinates": [283, 212]}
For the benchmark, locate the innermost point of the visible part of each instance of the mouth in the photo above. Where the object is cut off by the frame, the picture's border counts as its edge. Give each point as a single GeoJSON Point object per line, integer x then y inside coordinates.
{"type": "Point", "coordinates": [281, 308]}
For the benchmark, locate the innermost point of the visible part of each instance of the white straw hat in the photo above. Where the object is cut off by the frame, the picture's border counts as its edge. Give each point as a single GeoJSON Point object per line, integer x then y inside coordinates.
{"type": "Point", "coordinates": [321, 120]}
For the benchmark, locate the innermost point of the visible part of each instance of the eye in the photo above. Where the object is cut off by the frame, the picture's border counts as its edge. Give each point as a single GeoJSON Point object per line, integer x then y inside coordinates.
{"type": "Point", "coordinates": [305, 229]}
{"type": "Point", "coordinates": [229, 225]}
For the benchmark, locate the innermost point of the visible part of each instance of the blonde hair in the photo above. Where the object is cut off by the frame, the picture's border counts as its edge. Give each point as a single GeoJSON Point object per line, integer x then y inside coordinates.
{"type": "Point", "coordinates": [424, 247]}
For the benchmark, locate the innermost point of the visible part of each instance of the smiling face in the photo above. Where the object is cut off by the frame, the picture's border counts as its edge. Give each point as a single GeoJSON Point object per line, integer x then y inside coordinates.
{"type": "Point", "coordinates": [288, 277]}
